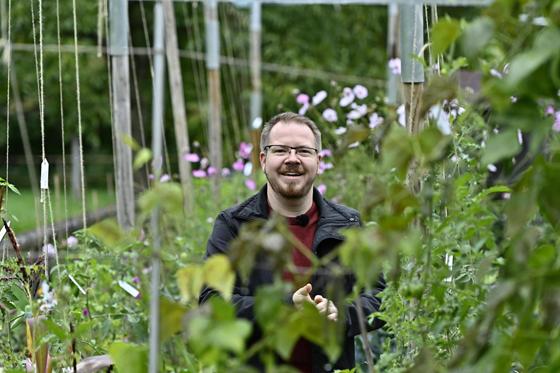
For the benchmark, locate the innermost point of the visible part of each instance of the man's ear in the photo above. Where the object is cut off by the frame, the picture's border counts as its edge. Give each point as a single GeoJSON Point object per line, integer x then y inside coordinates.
{"type": "Point", "coordinates": [262, 159]}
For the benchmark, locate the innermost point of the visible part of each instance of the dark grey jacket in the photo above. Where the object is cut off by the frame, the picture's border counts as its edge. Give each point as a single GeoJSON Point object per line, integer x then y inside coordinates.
{"type": "Point", "coordinates": [332, 218]}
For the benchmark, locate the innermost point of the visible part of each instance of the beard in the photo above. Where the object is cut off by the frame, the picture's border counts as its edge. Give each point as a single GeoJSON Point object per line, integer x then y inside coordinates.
{"type": "Point", "coordinates": [293, 189]}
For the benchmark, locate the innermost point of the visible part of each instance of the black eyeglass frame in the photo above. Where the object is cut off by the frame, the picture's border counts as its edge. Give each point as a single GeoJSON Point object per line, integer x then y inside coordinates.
{"type": "Point", "coordinates": [291, 147]}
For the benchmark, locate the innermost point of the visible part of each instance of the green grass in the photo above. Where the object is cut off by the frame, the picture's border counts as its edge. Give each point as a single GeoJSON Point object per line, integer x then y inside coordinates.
{"type": "Point", "coordinates": [25, 214]}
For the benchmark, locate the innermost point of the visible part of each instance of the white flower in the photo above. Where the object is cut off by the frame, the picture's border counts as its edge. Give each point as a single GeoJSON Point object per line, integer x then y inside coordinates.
{"type": "Point", "coordinates": [340, 130]}
{"type": "Point", "coordinates": [347, 97]}
{"type": "Point", "coordinates": [395, 66]}
{"type": "Point", "coordinates": [401, 113]}
{"type": "Point", "coordinates": [360, 91]}
{"type": "Point", "coordinates": [442, 119]}
{"type": "Point", "coordinates": [375, 120]}
{"type": "Point", "coordinates": [318, 98]}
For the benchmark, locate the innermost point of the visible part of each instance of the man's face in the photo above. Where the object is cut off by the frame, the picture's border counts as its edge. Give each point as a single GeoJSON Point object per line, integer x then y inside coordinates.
{"type": "Point", "coordinates": [290, 175]}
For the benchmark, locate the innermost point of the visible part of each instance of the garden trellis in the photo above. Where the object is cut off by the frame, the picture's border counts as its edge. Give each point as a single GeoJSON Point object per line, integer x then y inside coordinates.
{"type": "Point", "coordinates": [412, 31]}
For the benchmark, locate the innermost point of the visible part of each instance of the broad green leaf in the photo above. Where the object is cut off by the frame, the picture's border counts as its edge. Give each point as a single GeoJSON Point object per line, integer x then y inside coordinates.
{"type": "Point", "coordinates": [397, 150]}
{"type": "Point", "coordinates": [171, 317]}
{"type": "Point", "coordinates": [444, 33]}
{"type": "Point", "coordinates": [542, 257]}
{"type": "Point", "coordinates": [219, 275]}
{"type": "Point", "coordinates": [432, 143]}
{"type": "Point", "coordinates": [549, 198]}
{"type": "Point", "coordinates": [129, 357]}
{"type": "Point", "coordinates": [168, 196]}
{"type": "Point", "coordinates": [56, 329]}
{"type": "Point", "coordinates": [476, 35]}
{"type": "Point", "coordinates": [547, 44]}
{"type": "Point", "coordinates": [190, 280]}
{"type": "Point", "coordinates": [107, 231]}
{"type": "Point", "coordinates": [142, 157]}
{"type": "Point", "coordinates": [128, 140]}
{"type": "Point", "coordinates": [270, 308]}
{"type": "Point", "coordinates": [500, 146]}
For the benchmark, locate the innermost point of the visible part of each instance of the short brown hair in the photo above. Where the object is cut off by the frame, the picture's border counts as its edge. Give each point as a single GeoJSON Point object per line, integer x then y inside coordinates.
{"type": "Point", "coordinates": [286, 118]}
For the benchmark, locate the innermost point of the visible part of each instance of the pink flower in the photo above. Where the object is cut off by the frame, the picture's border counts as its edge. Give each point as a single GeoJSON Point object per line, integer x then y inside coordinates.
{"type": "Point", "coordinates": [549, 110]}
{"type": "Point", "coordinates": [211, 171]}
{"type": "Point", "coordinates": [245, 150]}
{"type": "Point", "coordinates": [71, 241]}
{"type": "Point", "coordinates": [191, 157]}
{"type": "Point", "coordinates": [226, 171]}
{"type": "Point", "coordinates": [250, 184]}
{"type": "Point", "coordinates": [318, 98]}
{"type": "Point", "coordinates": [85, 312]}
{"type": "Point", "coordinates": [199, 173]}
{"type": "Point", "coordinates": [375, 120]}
{"type": "Point", "coordinates": [164, 178]}
{"type": "Point", "coordinates": [323, 166]}
{"type": "Point", "coordinates": [325, 153]}
{"type": "Point", "coordinates": [302, 99]}
{"type": "Point", "coordinates": [238, 165]}
{"type": "Point", "coordinates": [360, 91]}
{"type": "Point", "coordinates": [347, 97]}
{"type": "Point", "coordinates": [136, 279]}
{"type": "Point", "coordinates": [395, 66]}
{"type": "Point", "coordinates": [556, 125]}
{"type": "Point", "coordinates": [322, 188]}
{"type": "Point", "coordinates": [330, 115]}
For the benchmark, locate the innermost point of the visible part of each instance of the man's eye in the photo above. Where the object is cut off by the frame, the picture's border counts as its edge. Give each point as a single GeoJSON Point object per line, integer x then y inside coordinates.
{"type": "Point", "coordinates": [304, 152]}
{"type": "Point", "coordinates": [279, 151]}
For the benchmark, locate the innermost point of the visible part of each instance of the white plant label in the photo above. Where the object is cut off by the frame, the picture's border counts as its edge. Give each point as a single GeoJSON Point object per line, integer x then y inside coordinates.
{"type": "Point", "coordinates": [76, 283]}
{"type": "Point", "coordinates": [129, 288]}
{"type": "Point", "coordinates": [45, 174]}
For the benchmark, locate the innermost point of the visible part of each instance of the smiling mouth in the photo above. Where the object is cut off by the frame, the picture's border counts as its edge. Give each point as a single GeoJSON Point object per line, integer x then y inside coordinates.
{"type": "Point", "coordinates": [291, 174]}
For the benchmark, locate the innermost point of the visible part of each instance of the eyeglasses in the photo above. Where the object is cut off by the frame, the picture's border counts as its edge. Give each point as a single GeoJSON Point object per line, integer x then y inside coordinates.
{"type": "Point", "coordinates": [284, 150]}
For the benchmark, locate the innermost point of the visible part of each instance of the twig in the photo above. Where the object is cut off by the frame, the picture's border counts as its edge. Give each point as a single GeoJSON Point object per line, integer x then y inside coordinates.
{"type": "Point", "coordinates": [74, 364]}
{"type": "Point", "coordinates": [363, 333]}
{"type": "Point", "coordinates": [17, 249]}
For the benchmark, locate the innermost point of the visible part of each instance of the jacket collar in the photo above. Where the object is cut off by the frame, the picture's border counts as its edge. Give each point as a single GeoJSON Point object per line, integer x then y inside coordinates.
{"type": "Point", "coordinates": [256, 207]}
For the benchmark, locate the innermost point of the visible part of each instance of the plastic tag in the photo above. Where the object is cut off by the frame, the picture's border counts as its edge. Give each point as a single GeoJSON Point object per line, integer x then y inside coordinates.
{"type": "Point", "coordinates": [45, 174]}
{"type": "Point", "coordinates": [76, 283]}
{"type": "Point", "coordinates": [129, 289]}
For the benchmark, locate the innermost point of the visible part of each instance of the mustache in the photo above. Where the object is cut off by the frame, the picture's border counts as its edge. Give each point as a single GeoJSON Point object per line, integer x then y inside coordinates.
{"type": "Point", "coordinates": [294, 169]}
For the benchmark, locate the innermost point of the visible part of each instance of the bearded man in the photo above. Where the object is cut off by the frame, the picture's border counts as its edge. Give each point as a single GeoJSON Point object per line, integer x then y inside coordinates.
{"type": "Point", "coordinates": [290, 155]}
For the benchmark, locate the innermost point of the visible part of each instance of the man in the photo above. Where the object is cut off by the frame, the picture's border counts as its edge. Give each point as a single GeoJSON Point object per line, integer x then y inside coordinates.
{"type": "Point", "coordinates": [289, 157]}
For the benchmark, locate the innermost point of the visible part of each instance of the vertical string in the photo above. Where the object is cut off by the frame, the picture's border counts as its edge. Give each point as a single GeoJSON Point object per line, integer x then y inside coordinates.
{"type": "Point", "coordinates": [79, 105]}
{"type": "Point", "coordinates": [9, 63]}
{"type": "Point", "coordinates": [62, 119]}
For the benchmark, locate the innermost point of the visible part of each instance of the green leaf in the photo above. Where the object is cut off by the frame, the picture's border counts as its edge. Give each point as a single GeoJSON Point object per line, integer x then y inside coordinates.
{"type": "Point", "coordinates": [171, 316]}
{"type": "Point", "coordinates": [129, 357]}
{"type": "Point", "coordinates": [549, 198]}
{"type": "Point", "coordinates": [546, 45]}
{"type": "Point", "coordinates": [190, 280]}
{"type": "Point", "coordinates": [219, 275]}
{"type": "Point", "coordinates": [433, 143]}
{"type": "Point", "coordinates": [142, 157]}
{"type": "Point", "coordinates": [444, 33]}
{"type": "Point", "coordinates": [476, 35]}
{"type": "Point", "coordinates": [542, 257]}
{"type": "Point", "coordinates": [56, 329]}
{"type": "Point", "coordinates": [168, 196]}
{"type": "Point", "coordinates": [107, 231]}
{"type": "Point", "coordinates": [502, 145]}
{"type": "Point", "coordinates": [128, 140]}
{"type": "Point", "coordinates": [397, 150]}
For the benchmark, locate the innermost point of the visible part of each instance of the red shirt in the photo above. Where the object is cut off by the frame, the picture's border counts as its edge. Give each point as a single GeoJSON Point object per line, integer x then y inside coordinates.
{"type": "Point", "coordinates": [301, 355]}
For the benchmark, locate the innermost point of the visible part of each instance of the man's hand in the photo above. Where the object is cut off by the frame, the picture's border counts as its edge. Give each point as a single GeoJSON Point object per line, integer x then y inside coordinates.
{"type": "Point", "coordinates": [326, 307]}
{"type": "Point", "coordinates": [301, 295]}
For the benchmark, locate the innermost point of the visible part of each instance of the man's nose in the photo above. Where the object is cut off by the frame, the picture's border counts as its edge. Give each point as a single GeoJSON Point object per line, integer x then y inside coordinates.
{"type": "Point", "coordinates": [292, 156]}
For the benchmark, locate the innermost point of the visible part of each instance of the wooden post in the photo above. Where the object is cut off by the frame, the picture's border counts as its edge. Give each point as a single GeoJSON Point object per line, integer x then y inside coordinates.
{"type": "Point", "coordinates": [214, 94]}
{"type": "Point", "coordinates": [118, 49]}
{"type": "Point", "coordinates": [256, 84]}
{"type": "Point", "coordinates": [178, 103]}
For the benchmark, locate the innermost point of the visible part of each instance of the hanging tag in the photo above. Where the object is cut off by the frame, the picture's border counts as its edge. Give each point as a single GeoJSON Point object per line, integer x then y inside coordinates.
{"type": "Point", "coordinates": [3, 231]}
{"type": "Point", "coordinates": [76, 283]}
{"type": "Point", "coordinates": [45, 174]}
{"type": "Point", "coordinates": [129, 289]}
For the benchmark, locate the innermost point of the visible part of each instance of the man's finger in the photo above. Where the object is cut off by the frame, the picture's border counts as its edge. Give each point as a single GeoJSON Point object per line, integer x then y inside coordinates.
{"type": "Point", "coordinates": [304, 290]}
{"type": "Point", "coordinates": [333, 317]}
{"type": "Point", "coordinates": [318, 299]}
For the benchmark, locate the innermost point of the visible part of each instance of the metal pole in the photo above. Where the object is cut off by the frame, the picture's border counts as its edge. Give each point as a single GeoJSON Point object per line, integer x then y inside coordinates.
{"type": "Point", "coordinates": [256, 93]}
{"type": "Point", "coordinates": [392, 52]}
{"type": "Point", "coordinates": [157, 128]}
{"type": "Point", "coordinates": [412, 71]}
{"type": "Point", "coordinates": [118, 22]}
{"type": "Point", "coordinates": [214, 95]}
